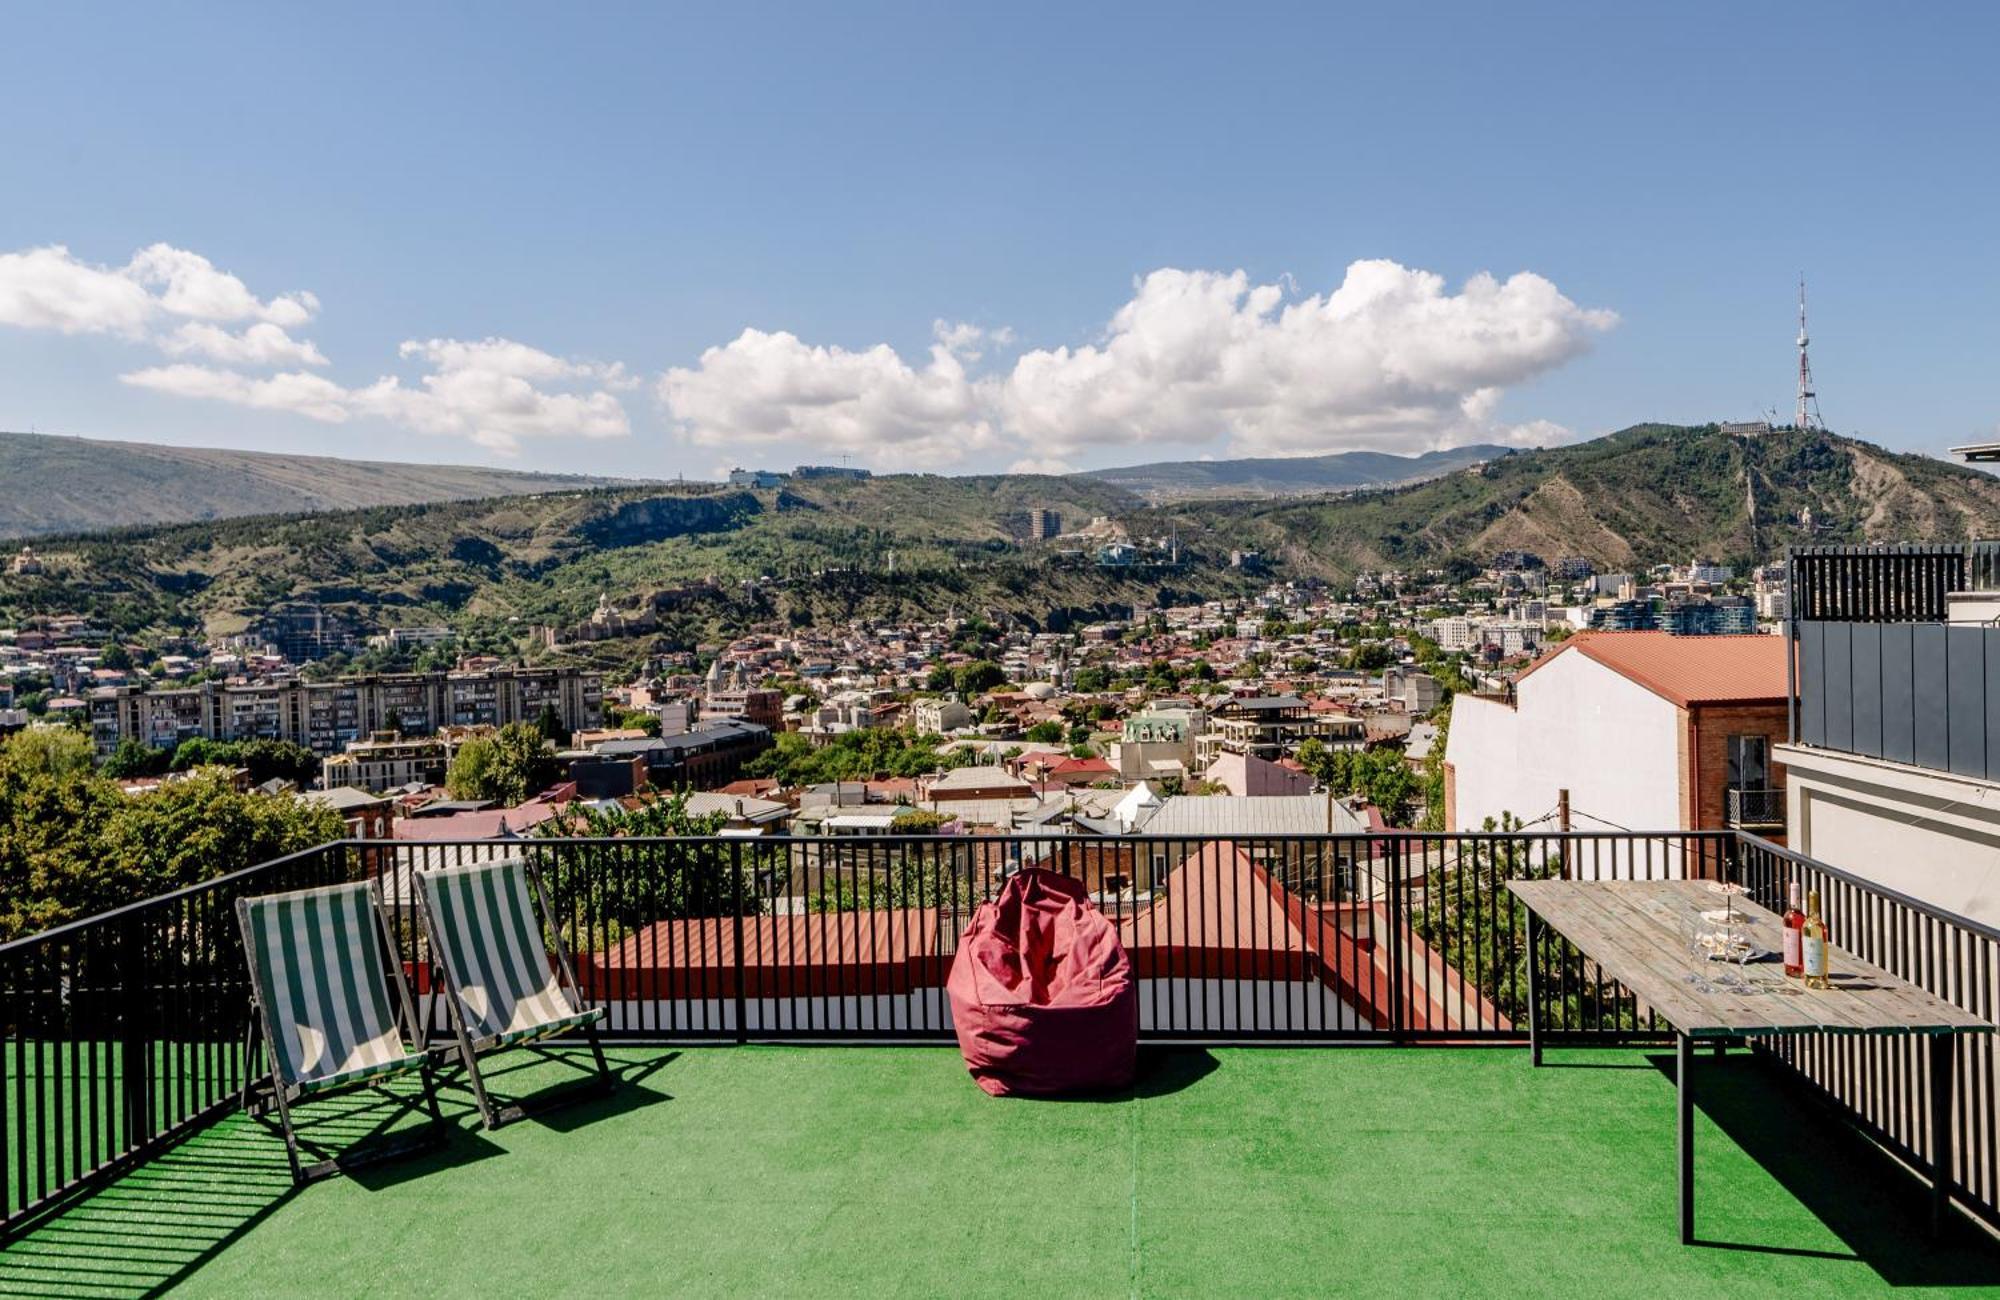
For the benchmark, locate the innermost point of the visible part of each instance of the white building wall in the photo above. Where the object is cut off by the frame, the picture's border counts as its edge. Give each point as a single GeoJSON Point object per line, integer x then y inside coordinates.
{"type": "Point", "coordinates": [1931, 835]}
{"type": "Point", "coordinates": [1613, 744]}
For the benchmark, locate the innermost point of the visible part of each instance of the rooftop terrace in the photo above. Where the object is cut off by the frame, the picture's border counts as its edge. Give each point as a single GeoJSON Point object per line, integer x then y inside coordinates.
{"type": "Point", "coordinates": [879, 1171]}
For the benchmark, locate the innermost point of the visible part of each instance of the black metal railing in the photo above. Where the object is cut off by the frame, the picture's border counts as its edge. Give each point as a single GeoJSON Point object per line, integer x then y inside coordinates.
{"type": "Point", "coordinates": [124, 1031]}
{"type": "Point", "coordinates": [1876, 584]}
{"type": "Point", "coordinates": [1751, 809]}
{"type": "Point", "coordinates": [1883, 1081]}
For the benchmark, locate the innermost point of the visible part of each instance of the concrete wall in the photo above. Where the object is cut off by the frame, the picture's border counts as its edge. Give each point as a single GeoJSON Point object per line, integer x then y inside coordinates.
{"type": "Point", "coordinates": [1928, 834]}
{"type": "Point", "coordinates": [1613, 744]}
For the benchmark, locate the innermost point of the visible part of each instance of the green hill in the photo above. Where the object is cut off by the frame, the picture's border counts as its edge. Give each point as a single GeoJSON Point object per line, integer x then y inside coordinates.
{"type": "Point", "coordinates": [829, 552]}
{"type": "Point", "coordinates": [1644, 495]}
{"type": "Point", "coordinates": [68, 485]}
{"type": "Point", "coordinates": [1290, 475]}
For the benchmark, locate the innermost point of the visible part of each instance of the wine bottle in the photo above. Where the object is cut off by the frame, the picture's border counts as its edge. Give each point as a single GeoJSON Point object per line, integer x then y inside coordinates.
{"type": "Point", "coordinates": [1795, 923]}
{"type": "Point", "coordinates": [1813, 941]}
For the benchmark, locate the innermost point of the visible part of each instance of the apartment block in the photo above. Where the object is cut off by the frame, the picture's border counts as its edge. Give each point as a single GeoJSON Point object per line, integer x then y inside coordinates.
{"type": "Point", "coordinates": [326, 717]}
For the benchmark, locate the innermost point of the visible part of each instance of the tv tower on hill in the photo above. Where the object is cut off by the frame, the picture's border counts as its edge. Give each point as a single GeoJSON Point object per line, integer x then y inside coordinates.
{"type": "Point", "coordinates": [1808, 416]}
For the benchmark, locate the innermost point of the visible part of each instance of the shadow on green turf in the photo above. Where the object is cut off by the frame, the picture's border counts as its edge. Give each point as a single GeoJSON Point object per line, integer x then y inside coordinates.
{"type": "Point", "coordinates": [1873, 1204]}
{"type": "Point", "coordinates": [143, 1234]}
{"type": "Point", "coordinates": [1160, 1072]}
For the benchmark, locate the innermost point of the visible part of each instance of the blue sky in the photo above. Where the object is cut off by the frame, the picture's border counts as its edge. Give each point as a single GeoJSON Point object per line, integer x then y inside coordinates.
{"type": "Point", "coordinates": [932, 237]}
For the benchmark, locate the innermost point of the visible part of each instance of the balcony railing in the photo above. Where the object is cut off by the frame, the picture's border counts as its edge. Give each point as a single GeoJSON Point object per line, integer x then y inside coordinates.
{"type": "Point", "coordinates": [1927, 694]}
{"type": "Point", "coordinates": [1755, 810]}
{"type": "Point", "coordinates": [124, 1032]}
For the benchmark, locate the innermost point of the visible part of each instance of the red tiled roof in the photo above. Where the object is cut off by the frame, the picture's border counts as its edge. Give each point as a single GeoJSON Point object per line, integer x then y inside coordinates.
{"type": "Point", "coordinates": [1686, 669]}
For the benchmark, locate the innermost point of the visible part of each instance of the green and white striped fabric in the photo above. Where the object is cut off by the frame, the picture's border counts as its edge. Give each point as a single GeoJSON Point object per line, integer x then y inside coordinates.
{"type": "Point", "coordinates": [485, 934]}
{"type": "Point", "coordinates": [317, 958]}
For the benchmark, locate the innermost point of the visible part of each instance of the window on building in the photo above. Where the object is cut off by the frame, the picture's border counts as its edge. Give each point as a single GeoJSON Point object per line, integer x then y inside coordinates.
{"type": "Point", "coordinates": [1749, 763]}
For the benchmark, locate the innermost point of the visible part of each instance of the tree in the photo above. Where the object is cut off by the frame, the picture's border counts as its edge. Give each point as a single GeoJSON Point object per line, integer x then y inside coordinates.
{"type": "Point", "coordinates": [134, 758]}
{"type": "Point", "coordinates": [1091, 680]}
{"type": "Point", "coordinates": [71, 844]}
{"type": "Point", "coordinates": [1371, 657]}
{"type": "Point", "coordinates": [684, 873]}
{"type": "Point", "coordinates": [47, 751]}
{"type": "Point", "coordinates": [506, 767]}
{"type": "Point", "coordinates": [550, 724]}
{"type": "Point", "coordinates": [1045, 733]}
{"type": "Point", "coordinates": [979, 675]}
{"type": "Point", "coordinates": [116, 657]}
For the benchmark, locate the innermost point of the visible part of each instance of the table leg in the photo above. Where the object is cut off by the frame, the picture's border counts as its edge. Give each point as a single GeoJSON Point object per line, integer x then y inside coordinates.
{"type": "Point", "coordinates": [1944, 1061]}
{"type": "Point", "coordinates": [1684, 1134]}
{"type": "Point", "coordinates": [1534, 989]}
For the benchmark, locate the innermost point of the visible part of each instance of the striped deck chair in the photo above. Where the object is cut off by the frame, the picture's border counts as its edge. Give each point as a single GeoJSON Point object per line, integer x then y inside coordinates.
{"type": "Point", "coordinates": [501, 985]}
{"type": "Point", "coordinates": [329, 1001]}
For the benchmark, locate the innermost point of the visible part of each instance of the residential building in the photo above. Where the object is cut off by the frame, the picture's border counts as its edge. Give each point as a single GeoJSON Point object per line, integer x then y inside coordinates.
{"type": "Point", "coordinates": [1247, 777]}
{"type": "Point", "coordinates": [710, 755]}
{"type": "Point", "coordinates": [1643, 729]}
{"type": "Point", "coordinates": [1271, 726]}
{"type": "Point", "coordinates": [1718, 616]}
{"type": "Point", "coordinates": [1044, 525]}
{"type": "Point", "coordinates": [937, 715]}
{"type": "Point", "coordinates": [326, 717]}
{"type": "Point", "coordinates": [756, 478]}
{"type": "Point", "coordinates": [1894, 753]}
{"type": "Point", "coordinates": [386, 761]}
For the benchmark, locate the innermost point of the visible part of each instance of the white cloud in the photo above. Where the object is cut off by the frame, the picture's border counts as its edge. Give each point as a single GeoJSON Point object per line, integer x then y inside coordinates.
{"type": "Point", "coordinates": [190, 286]}
{"type": "Point", "coordinates": [487, 391]}
{"type": "Point", "coordinates": [1389, 361]}
{"type": "Point", "coordinates": [313, 396]}
{"type": "Point", "coordinates": [47, 289]}
{"type": "Point", "coordinates": [766, 388]}
{"type": "Point", "coordinates": [262, 344]}
{"type": "Point", "coordinates": [51, 289]}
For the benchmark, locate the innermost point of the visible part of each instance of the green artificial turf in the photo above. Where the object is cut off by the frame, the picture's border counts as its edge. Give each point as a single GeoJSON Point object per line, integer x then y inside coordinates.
{"type": "Point", "coordinates": [878, 1171]}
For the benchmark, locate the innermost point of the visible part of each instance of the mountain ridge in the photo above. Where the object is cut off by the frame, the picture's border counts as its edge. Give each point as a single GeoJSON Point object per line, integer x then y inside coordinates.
{"type": "Point", "coordinates": [1340, 471]}
{"type": "Point", "coordinates": [74, 485]}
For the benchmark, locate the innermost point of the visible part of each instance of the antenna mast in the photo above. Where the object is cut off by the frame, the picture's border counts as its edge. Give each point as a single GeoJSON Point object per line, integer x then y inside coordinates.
{"type": "Point", "coordinates": [1808, 416]}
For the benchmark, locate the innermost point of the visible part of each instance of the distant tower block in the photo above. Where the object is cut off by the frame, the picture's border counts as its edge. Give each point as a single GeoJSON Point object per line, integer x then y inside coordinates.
{"type": "Point", "coordinates": [1044, 524]}
{"type": "Point", "coordinates": [1808, 416]}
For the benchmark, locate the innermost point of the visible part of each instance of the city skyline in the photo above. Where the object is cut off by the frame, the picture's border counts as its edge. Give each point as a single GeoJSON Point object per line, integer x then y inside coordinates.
{"type": "Point", "coordinates": [661, 246]}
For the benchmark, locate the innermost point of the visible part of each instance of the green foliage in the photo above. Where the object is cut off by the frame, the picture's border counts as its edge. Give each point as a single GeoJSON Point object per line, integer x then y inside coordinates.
{"type": "Point", "coordinates": [72, 845]}
{"type": "Point", "coordinates": [48, 751]}
{"type": "Point", "coordinates": [978, 676]}
{"type": "Point", "coordinates": [1371, 657]}
{"type": "Point", "coordinates": [880, 880]}
{"type": "Point", "coordinates": [1476, 925]}
{"type": "Point", "coordinates": [1045, 733]}
{"type": "Point", "coordinates": [1091, 680]}
{"type": "Point", "coordinates": [264, 759]}
{"type": "Point", "coordinates": [917, 821]}
{"type": "Point", "coordinates": [853, 756]}
{"type": "Point", "coordinates": [1379, 776]}
{"type": "Point", "coordinates": [506, 767]}
{"type": "Point", "coordinates": [632, 719]}
{"type": "Point", "coordinates": [687, 875]}
{"type": "Point", "coordinates": [550, 724]}
{"type": "Point", "coordinates": [134, 758]}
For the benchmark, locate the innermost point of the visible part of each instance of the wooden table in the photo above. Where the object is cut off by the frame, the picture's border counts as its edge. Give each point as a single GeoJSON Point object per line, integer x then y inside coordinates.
{"type": "Point", "coordinates": [1638, 933]}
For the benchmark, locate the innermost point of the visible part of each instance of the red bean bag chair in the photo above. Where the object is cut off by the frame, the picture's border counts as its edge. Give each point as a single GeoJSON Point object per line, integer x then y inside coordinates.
{"type": "Point", "coordinates": [1042, 995]}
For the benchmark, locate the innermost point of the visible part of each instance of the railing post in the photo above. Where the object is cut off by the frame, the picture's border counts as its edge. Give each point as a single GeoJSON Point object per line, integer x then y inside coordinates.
{"type": "Point", "coordinates": [1397, 924]}
{"type": "Point", "coordinates": [133, 1067]}
{"type": "Point", "coordinates": [736, 907]}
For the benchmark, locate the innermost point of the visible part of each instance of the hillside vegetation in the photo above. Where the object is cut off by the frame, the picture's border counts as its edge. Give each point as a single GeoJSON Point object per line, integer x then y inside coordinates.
{"type": "Point", "coordinates": [1290, 475]}
{"type": "Point", "coordinates": [911, 546]}
{"type": "Point", "coordinates": [68, 485]}
{"type": "Point", "coordinates": [1642, 496]}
